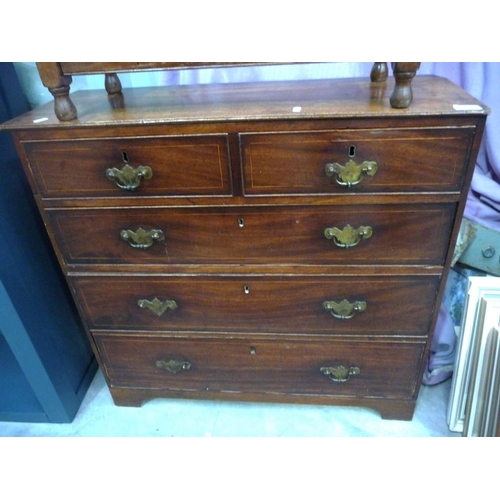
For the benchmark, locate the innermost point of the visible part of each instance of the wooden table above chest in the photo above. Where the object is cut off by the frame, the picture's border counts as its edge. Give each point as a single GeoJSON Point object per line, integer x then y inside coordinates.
{"type": "Point", "coordinates": [261, 242]}
{"type": "Point", "coordinates": [58, 76]}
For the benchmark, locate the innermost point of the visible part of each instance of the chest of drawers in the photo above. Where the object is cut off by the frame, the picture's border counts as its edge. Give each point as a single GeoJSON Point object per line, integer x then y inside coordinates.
{"type": "Point", "coordinates": [278, 242]}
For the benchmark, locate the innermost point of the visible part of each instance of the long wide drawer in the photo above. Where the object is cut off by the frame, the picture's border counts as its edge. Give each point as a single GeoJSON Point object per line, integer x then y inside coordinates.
{"type": "Point", "coordinates": [146, 166]}
{"type": "Point", "coordinates": [401, 234]}
{"type": "Point", "coordinates": [355, 368]}
{"type": "Point", "coordinates": [370, 160]}
{"type": "Point", "coordinates": [320, 305]}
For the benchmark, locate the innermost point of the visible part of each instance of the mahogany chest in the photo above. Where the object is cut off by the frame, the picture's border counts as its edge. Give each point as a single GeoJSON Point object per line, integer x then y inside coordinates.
{"type": "Point", "coordinates": [278, 242]}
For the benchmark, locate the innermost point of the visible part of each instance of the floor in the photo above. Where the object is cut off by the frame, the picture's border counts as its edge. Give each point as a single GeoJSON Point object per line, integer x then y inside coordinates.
{"type": "Point", "coordinates": [99, 417]}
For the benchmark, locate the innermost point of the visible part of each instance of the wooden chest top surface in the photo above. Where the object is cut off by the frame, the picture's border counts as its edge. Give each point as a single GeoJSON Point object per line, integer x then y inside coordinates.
{"type": "Point", "coordinates": [289, 100]}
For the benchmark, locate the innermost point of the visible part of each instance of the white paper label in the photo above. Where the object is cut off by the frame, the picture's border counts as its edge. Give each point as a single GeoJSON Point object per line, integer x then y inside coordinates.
{"type": "Point", "coordinates": [467, 107]}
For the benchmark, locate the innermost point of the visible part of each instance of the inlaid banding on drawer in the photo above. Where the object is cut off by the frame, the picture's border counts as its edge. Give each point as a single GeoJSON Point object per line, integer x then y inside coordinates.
{"type": "Point", "coordinates": [392, 305]}
{"type": "Point", "coordinates": [256, 365]}
{"type": "Point", "coordinates": [396, 160]}
{"type": "Point", "coordinates": [410, 234]}
{"type": "Point", "coordinates": [179, 166]}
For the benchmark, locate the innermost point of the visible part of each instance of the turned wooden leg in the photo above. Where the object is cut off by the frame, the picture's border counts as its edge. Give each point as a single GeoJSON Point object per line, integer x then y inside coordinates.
{"type": "Point", "coordinates": [114, 89]}
{"type": "Point", "coordinates": [402, 94]}
{"type": "Point", "coordinates": [63, 106]}
{"type": "Point", "coordinates": [58, 84]}
{"type": "Point", "coordinates": [112, 83]}
{"type": "Point", "coordinates": [379, 72]}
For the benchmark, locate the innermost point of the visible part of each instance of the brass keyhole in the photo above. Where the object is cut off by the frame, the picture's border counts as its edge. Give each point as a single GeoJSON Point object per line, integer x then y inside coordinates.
{"type": "Point", "coordinates": [246, 289]}
{"type": "Point", "coordinates": [352, 151]}
{"type": "Point", "coordinates": [253, 350]}
{"type": "Point", "coordinates": [125, 156]}
{"type": "Point", "coordinates": [241, 222]}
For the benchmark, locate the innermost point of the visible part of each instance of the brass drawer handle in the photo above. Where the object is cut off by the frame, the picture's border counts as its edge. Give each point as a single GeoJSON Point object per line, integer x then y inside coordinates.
{"type": "Point", "coordinates": [350, 174]}
{"type": "Point", "coordinates": [173, 366]}
{"type": "Point", "coordinates": [344, 309]}
{"type": "Point", "coordinates": [348, 237]}
{"type": "Point", "coordinates": [128, 177]}
{"type": "Point", "coordinates": [157, 306]}
{"type": "Point", "coordinates": [142, 238]}
{"type": "Point", "coordinates": [339, 373]}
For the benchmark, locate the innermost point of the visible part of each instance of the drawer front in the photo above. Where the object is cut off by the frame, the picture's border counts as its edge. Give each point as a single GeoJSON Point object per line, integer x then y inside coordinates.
{"type": "Point", "coordinates": [197, 165]}
{"type": "Point", "coordinates": [322, 235]}
{"type": "Point", "coordinates": [406, 160]}
{"type": "Point", "coordinates": [374, 369]}
{"type": "Point", "coordinates": [374, 305]}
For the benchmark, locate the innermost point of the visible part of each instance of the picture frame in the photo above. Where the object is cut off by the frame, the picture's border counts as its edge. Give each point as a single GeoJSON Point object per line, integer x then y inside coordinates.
{"type": "Point", "coordinates": [474, 397]}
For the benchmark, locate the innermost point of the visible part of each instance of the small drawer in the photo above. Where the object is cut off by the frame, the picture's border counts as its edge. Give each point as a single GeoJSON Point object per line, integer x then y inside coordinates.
{"type": "Point", "coordinates": [148, 166]}
{"type": "Point", "coordinates": [351, 368]}
{"type": "Point", "coordinates": [378, 160]}
{"type": "Point", "coordinates": [318, 305]}
{"type": "Point", "coordinates": [363, 235]}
